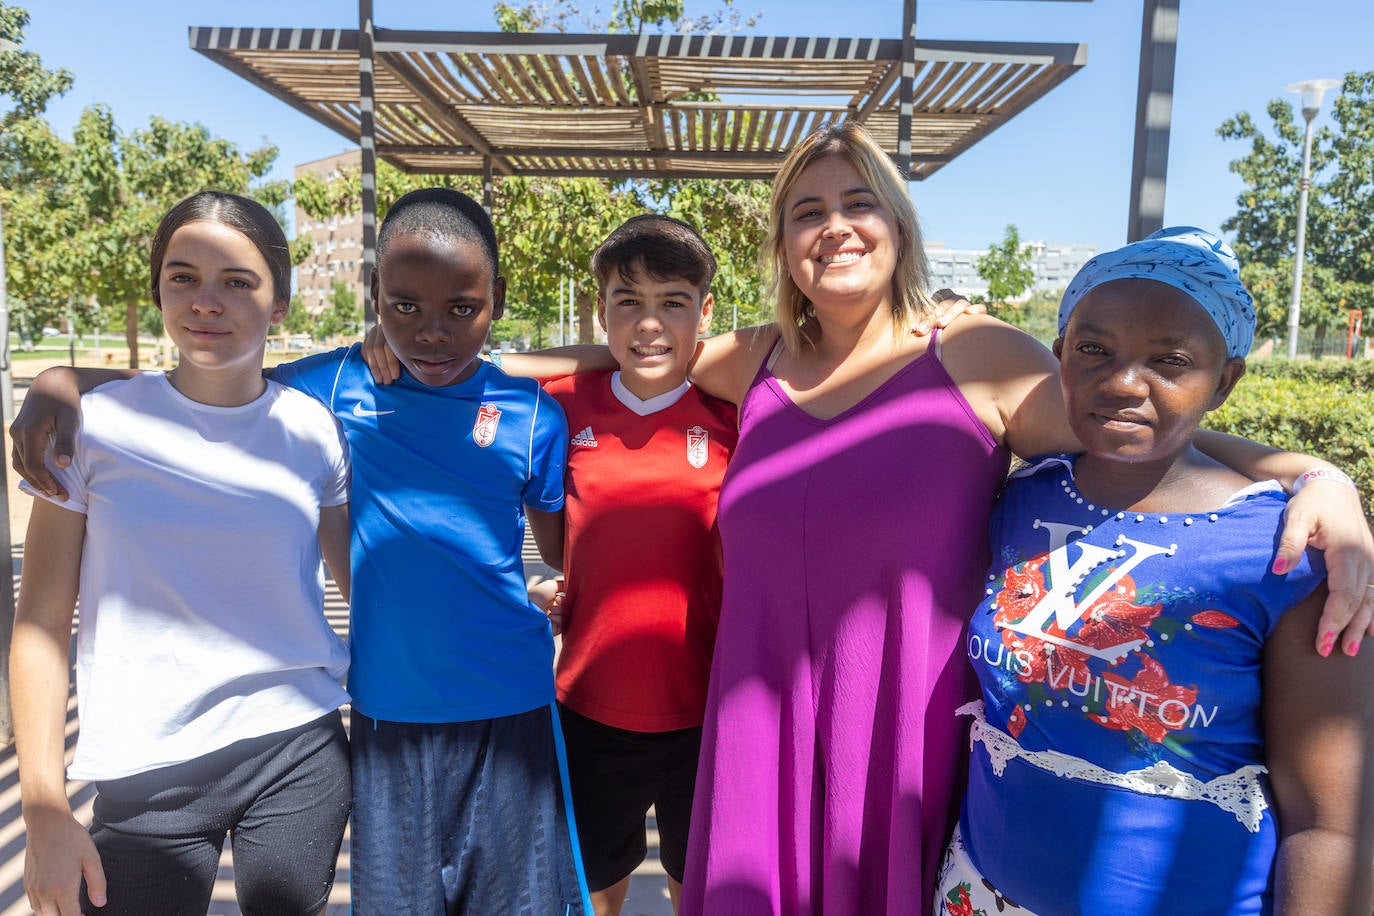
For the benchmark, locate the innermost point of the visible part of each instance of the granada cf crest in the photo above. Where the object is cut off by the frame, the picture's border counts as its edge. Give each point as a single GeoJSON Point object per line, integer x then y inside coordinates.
{"type": "Point", "coordinates": [697, 439]}
{"type": "Point", "coordinates": [484, 430]}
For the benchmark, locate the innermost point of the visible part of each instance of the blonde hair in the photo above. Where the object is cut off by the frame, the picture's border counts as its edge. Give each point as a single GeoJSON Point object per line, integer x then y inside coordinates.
{"type": "Point", "coordinates": [793, 312]}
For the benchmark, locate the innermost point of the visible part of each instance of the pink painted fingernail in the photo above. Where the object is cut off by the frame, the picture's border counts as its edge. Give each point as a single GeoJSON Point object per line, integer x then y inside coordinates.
{"type": "Point", "coordinates": [1328, 643]}
{"type": "Point", "coordinates": [1351, 648]}
{"type": "Point", "coordinates": [1280, 566]}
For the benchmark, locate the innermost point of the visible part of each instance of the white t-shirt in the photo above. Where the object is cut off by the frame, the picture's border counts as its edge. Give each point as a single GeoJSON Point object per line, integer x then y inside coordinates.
{"type": "Point", "coordinates": [202, 588]}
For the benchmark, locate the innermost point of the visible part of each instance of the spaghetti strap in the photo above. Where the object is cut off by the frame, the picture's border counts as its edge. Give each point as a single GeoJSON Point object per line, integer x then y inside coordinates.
{"type": "Point", "coordinates": [766, 367]}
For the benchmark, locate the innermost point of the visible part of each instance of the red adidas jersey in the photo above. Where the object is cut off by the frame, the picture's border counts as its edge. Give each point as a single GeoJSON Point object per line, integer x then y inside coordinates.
{"type": "Point", "coordinates": [642, 556]}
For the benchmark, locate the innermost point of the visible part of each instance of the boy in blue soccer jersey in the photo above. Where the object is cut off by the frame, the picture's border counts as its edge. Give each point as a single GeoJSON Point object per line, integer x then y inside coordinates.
{"type": "Point", "coordinates": [459, 782]}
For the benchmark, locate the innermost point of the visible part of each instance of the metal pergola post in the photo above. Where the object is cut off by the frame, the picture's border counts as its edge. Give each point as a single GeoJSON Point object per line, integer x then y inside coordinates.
{"type": "Point", "coordinates": [906, 87]}
{"type": "Point", "coordinates": [1153, 113]}
{"type": "Point", "coordinates": [6, 541]}
{"type": "Point", "coordinates": [367, 141]}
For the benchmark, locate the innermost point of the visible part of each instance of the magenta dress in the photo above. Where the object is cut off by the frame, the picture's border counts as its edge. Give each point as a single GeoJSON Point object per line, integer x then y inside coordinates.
{"type": "Point", "coordinates": [832, 762]}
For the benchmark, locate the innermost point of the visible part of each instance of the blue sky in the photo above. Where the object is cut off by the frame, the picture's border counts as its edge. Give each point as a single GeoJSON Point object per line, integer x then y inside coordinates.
{"type": "Point", "coordinates": [1060, 170]}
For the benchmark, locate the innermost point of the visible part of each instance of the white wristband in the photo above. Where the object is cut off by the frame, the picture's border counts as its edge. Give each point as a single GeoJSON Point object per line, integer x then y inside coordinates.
{"type": "Point", "coordinates": [1323, 474]}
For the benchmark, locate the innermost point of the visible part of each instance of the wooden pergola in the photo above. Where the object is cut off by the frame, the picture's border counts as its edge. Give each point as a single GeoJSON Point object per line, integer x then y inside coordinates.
{"type": "Point", "coordinates": [641, 106]}
{"type": "Point", "coordinates": [631, 106]}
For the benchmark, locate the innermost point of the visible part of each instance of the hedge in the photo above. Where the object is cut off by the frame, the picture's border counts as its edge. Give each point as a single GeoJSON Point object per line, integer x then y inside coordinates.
{"type": "Point", "coordinates": [1324, 408]}
{"type": "Point", "coordinates": [1351, 373]}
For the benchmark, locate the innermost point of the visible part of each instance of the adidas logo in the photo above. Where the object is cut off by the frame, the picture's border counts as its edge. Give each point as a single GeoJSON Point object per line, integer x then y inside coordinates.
{"type": "Point", "coordinates": [586, 437]}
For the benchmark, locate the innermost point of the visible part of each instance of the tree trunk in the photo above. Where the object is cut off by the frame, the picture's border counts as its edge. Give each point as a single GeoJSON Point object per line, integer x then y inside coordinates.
{"type": "Point", "coordinates": [131, 332]}
{"type": "Point", "coordinates": [1319, 345]}
{"type": "Point", "coordinates": [586, 319]}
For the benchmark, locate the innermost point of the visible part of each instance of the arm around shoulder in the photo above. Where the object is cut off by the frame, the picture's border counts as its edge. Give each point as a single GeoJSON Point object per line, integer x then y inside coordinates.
{"type": "Point", "coordinates": [547, 529]}
{"type": "Point", "coordinates": [1324, 513]}
{"type": "Point", "coordinates": [335, 534]}
{"type": "Point", "coordinates": [558, 362]}
{"type": "Point", "coordinates": [725, 365]}
{"type": "Point", "coordinates": [1319, 742]}
{"type": "Point", "coordinates": [52, 412]}
{"type": "Point", "coordinates": [1012, 383]}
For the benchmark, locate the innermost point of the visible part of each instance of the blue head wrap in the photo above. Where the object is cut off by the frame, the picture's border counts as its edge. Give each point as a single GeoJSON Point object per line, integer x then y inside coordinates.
{"type": "Point", "coordinates": [1193, 260]}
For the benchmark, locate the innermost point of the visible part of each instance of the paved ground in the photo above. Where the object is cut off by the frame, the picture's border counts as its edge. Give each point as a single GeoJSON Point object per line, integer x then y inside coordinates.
{"type": "Point", "coordinates": [648, 888]}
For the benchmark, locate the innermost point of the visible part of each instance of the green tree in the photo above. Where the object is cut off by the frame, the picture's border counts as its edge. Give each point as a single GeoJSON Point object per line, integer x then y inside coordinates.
{"type": "Point", "coordinates": [626, 16]}
{"type": "Point", "coordinates": [83, 212]}
{"type": "Point", "coordinates": [297, 320]}
{"type": "Point", "coordinates": [1338, 271]}
{"type": "Point", "coordinates": [1007, 269]}
{"type": "Point", "coordinates": [26, 87]}
{"type": "Point", "coordinates": [1038, 316]}
{"type": "Point", "coordinates": [343, 315]}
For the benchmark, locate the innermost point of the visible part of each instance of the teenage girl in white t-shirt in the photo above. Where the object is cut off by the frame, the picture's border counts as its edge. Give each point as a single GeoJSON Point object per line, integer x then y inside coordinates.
{"type": "Point", "coordinates": [208, 678]}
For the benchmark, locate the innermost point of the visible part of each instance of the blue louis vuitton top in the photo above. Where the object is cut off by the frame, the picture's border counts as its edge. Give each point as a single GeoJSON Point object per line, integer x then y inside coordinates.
{"type": "Point", "coordinates": [1118, 760]}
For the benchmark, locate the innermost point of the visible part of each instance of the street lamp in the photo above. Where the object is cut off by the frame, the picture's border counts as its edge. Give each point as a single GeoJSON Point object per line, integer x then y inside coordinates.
{"type": "Point", "coordinates": [1312, 92]}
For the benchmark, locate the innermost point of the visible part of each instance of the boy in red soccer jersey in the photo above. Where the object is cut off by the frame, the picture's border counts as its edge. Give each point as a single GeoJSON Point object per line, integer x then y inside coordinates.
{"type": "Point", "coordinates": [642, 559]}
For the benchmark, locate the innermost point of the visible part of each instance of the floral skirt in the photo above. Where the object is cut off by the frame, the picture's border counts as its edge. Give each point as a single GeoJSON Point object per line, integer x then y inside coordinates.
{"type": "Point", "coordinates": [961, 890]}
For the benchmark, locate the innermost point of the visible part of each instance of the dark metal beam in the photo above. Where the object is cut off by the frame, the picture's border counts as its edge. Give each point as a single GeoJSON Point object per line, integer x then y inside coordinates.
{"type": "Point", "coordinates": [906, 86]}
{"type": "Point", "coordinates": [1154, 105]}
{"type": "Point", "coordinates": [367, 140]}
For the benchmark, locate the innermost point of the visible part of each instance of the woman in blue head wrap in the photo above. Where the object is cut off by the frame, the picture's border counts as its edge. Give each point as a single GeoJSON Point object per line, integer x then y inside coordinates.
{"type": "Point", "coordinates": [1156, 732]}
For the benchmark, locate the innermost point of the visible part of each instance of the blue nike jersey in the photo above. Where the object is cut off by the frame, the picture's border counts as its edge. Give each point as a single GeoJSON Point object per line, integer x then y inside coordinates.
{"type": "Point", "coordinates": [441, 627]}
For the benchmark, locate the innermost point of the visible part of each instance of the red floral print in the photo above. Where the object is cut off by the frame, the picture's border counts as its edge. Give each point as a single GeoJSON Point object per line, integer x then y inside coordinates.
{"type": "Point", "coordinates": [1215, 619]}
{"type": "Point", "coordinates": [1115, 618]}
{"type": "Point", "coordinates": [1016, 722]}
{"type": "Point", "coordinates": [963, 906]}
{"type": "Point", "coordinates": [1135, 704]}
{"type": "Point", "coordinates": [1021, 592]}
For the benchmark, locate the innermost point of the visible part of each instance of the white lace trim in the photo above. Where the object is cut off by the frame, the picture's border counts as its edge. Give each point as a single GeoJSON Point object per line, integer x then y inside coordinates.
{"type": "Point", "coordinates": [1241, 792]}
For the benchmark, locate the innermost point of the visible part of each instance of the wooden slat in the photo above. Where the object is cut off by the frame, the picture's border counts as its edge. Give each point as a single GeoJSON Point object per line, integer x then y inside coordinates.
{"type": "Point", "coordinates": [579, 72]}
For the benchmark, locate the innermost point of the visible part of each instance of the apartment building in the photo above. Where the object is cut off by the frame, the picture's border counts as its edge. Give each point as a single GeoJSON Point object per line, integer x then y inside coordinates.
{"type": "Point", "coordinates": [337, 242]}
{"type": "Point", "coordinates": [1054, 264]}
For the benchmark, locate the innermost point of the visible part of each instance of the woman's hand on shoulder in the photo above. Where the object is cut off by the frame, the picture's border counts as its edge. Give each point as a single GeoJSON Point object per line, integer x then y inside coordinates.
{"type": "Point", "coordinates": [1327, 515]}
{"type": "Point", "coordinates": [950, 307]}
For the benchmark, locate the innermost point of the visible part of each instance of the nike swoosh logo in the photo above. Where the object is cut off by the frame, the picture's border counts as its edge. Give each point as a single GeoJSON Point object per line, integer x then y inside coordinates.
{"type": "Point", "coordinates": [360, 411]}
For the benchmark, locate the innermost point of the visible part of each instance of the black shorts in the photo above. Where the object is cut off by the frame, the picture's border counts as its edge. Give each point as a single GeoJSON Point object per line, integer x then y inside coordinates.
{"type": "Point", "coordinates": [283, 798]}
{"type": "Point", "coordinates": [616, 776]}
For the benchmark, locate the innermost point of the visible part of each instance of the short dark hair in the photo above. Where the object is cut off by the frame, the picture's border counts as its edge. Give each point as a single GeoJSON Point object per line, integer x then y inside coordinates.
{"type": "Point", "coordinates": [444, 213]}
{"type": "Point", "coordinates": [664, 247]}
{"type": "Point", "coordinates": [246, 216]}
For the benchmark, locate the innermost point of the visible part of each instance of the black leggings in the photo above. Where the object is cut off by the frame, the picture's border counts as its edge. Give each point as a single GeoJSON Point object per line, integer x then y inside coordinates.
{"type": "Point", "coordinates": [283, 798]}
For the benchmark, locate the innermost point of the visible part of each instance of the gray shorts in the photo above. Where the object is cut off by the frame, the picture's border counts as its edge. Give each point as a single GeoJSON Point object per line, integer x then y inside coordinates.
{"type": "Point", "coordinates": [282, 798]}
{"type": "Point", "coordinates": [463, 818]}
